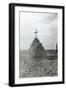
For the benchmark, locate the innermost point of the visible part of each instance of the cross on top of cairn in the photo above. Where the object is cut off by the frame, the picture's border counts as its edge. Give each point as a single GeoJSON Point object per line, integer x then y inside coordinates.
{"type": "Point", "coordinates": [36, 32]}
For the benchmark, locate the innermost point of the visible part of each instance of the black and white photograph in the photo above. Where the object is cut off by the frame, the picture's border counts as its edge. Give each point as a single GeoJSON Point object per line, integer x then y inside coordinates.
{"type": "Point", "coordinates": [38, 55]}
{"type": "Point", "coordinates": [37, 48]}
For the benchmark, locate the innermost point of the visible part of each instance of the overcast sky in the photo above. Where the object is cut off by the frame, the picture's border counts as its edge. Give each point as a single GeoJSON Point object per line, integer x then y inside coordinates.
{"type": "Point", "coordinates": [47, 27]}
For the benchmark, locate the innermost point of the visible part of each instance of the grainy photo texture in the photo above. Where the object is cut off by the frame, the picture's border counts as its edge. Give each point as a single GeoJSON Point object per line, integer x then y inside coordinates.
{"type": "Point", "coordinates": [38, 44]}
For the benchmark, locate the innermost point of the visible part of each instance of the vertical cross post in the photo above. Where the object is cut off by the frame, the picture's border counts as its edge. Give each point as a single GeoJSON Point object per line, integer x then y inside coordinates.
{"type": "Point", "coordinates": [36, 32]}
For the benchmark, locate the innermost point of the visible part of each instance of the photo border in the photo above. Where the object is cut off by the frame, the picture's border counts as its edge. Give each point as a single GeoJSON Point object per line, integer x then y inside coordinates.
{"type": "Point", "coordinates": [12, 43]}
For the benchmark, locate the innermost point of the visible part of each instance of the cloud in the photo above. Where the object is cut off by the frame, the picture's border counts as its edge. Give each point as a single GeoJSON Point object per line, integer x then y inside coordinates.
{"type": "Point", "coordinates": [51, 17]}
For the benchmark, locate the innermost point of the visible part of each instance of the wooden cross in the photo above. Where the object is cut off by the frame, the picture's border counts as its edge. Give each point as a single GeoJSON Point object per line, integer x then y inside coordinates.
{"type": "Point", "coordinates": [36, 32]}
